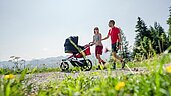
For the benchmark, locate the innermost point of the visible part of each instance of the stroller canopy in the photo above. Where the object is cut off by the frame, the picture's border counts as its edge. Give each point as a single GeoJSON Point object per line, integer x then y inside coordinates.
{"type": "Point", "coordinates": [69, 47]}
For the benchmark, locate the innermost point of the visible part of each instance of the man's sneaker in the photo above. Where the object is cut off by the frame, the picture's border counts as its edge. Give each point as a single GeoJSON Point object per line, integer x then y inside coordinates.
{"type": "Point", "coordinates": [114, 65]}
{"type": "Point", "coordinates": [104, 67]}
{"type": "Point", "coordinates": [123, 64]}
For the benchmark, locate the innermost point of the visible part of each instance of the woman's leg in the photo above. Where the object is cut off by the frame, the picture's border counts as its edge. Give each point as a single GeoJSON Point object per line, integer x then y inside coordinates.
{"type": "Point", "coordinates": [99, 58]}
{"type": "Point", "coordinates": [98, 53]}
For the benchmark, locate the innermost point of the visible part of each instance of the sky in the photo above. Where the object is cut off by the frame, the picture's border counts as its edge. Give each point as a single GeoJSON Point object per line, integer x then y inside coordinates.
{"type": "Point", "coordinates": [34, 29]}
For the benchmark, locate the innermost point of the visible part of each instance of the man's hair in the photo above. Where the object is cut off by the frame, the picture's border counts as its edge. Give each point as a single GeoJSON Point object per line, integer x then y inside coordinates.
{"type": "Point", "coordinates": [112, 21]}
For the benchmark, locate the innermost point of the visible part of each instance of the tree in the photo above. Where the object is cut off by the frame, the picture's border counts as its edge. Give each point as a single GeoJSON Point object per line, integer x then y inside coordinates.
{"type": "Point", "coordinates": [152, 40]}
{"type": "Point", "coordinates": [169, 23]}
{"type": "Point", "coordinates": [159, 38]}
{"type": "Point", "coordinates": [142, 32]}
{"type": "Point", "coordinates": [124, 53]}
{"type": "Point", "coordinates": [149, 41]}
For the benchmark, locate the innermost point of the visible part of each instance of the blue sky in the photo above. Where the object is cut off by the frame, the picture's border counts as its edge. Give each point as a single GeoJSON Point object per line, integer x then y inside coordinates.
{"type": "Point", "coordinates": [38, 28]}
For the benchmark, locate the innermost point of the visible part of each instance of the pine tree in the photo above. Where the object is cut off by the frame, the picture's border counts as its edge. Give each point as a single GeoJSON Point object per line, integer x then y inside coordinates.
{"type": "Point", "coordinates": [151, 40]}
{"type": "Point", "coordinates": [169, 23]}
{"type": "Point", "coordinates": [141, 30]}
{"type": "Point", "coordinates": [142, 34]}
{"type": "Point", "coordinates": [124, 53]}
{"type": "Point", "coordinates": [159, 38]}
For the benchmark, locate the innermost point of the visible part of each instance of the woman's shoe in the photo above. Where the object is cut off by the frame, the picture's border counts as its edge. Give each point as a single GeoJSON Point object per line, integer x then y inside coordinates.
{"type": "Point", "coordinates": [98, 68]}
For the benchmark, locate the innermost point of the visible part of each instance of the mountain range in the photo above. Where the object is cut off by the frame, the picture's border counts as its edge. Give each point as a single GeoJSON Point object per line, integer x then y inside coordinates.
{"type": "Point", "coordinates": [50, 62]}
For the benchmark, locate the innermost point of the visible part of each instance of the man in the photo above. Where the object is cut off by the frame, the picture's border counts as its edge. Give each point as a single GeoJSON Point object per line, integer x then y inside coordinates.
{"type": "Point", "coordinates": [114, 33]}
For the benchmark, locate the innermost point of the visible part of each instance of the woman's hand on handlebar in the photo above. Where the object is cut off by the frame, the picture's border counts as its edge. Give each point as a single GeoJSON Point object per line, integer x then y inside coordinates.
{"type": "Point", "coordinates": [91, 43]}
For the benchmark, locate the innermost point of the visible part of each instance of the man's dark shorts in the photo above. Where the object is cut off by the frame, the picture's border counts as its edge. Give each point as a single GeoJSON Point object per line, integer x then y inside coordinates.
{"type": "Point", "coordinates": [114, 47]}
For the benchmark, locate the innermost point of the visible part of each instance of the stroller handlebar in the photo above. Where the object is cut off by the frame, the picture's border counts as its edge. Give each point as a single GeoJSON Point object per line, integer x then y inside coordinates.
{"type": "Point", "coordinates": [91, 44]}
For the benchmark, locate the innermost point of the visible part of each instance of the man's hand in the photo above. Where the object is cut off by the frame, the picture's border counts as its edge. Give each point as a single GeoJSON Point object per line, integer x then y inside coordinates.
{"type": "Point", "coordinates": [105, 38]}
{"type": "Point", "coordinates": [120, 47]}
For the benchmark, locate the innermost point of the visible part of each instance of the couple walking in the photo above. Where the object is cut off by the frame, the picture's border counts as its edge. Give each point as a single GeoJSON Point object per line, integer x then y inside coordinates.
{"type": "Point", "coordinates": [114, 34]}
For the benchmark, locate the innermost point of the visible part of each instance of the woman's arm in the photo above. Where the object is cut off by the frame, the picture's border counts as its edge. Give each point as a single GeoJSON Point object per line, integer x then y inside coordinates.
{"type": "Point", "coordinates": [93, 42]}
{"type": "Point", "coordinates": [100, 38]}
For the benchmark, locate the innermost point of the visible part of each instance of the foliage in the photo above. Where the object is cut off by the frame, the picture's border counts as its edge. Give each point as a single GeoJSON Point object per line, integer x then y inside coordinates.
{"type": "Point", "coordinates": [141, 38]}
{"type": "Point", "coordinates": [124, 52]}
{"type": "Point", "coordinates": [29, 70]}
{"type": "Point", "coordinates": [155, 82]}
{"type": "Point", "coordinates": [169, 23]}
{"type": "Point", "coordinates": [149, 40]}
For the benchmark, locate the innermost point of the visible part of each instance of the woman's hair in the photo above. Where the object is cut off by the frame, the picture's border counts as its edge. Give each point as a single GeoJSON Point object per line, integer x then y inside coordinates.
{"type": "Point", "coordinates": [96, 28]}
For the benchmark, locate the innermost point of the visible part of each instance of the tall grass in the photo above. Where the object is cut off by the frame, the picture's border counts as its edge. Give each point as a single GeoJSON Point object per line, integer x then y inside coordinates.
{"type": "Point", "coordinates": [155, 82]}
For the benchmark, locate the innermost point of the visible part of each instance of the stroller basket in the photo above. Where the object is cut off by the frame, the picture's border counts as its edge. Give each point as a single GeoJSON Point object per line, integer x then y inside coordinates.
{"type": "Point", "coordinates": [86, 52]}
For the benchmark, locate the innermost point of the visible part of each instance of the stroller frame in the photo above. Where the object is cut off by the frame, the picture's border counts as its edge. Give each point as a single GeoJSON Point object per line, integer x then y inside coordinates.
{"type": "Point", "coordinates": [84, 63]}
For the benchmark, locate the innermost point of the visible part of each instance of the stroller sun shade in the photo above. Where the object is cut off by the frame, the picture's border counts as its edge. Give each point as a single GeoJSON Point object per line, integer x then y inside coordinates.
{"type": "Point", "coordinates": [69, 47]}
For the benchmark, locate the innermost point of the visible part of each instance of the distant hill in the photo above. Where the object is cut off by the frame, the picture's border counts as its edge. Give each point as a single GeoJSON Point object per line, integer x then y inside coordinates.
{"type": "Point", "coordinates": [44, 62]}
{"type": "Point", "coordinates": [49, 62]}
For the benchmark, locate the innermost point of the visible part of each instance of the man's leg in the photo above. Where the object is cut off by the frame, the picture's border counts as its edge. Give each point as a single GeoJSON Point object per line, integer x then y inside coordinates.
{"type": "Point", "coordinates": [114, 50]}
{"type": "Point", "coordinates": [119, 58]}
{"type": "Point", "coordinates": [116, 57]}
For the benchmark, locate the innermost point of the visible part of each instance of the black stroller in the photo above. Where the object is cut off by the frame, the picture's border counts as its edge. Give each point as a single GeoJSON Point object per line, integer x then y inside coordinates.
{"type": "Point", "coordinates": [78, 52]}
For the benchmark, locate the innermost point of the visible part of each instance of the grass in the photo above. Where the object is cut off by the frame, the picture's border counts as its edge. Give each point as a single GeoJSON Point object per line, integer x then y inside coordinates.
{"type": "Point", "coordinates": [29, 70]}
{"type": "Point", "coordinates": [156, 82]}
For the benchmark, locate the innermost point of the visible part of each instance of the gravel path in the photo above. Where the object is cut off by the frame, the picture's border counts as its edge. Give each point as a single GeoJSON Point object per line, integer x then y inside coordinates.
{"type": "Point", "coordinates": [43, 79]}
{"type": "Point", "coordinates": [40, 78]}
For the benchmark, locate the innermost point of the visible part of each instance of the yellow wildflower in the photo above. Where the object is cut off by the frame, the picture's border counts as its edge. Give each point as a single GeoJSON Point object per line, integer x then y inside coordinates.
{"type": "Point", "coordinates": [168, 69]}
{"type": "Point", "coordinates": [10, 76]}
{"type": "Point", "coordinates": [119, 86]}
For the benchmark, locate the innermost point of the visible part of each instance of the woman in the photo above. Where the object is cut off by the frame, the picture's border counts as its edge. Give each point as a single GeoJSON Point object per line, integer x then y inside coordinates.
{"type": "Point", "coordinates": [98, 46]}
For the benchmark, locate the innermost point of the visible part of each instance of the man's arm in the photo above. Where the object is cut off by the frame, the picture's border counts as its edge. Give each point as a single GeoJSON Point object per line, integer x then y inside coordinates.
{"type": "Point", "coordinates": [119, 39]}
{"type": "Point", "coordinates": [106, 37]}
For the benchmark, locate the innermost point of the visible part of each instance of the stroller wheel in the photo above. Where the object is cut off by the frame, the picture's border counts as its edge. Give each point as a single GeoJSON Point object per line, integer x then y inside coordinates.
{"type": "Point", "coordinates": [88, 65]}
{"type": "Point", "coordinates": [64, 66]}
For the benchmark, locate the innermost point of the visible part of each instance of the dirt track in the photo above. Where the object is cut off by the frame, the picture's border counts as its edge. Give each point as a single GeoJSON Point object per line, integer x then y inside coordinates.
{"type": "Point", "coordinates": [59, 76]}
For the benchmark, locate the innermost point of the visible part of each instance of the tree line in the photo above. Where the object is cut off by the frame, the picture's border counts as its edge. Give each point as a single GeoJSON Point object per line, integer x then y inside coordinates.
{"type": "Point", "coordinates": [149, 40]}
